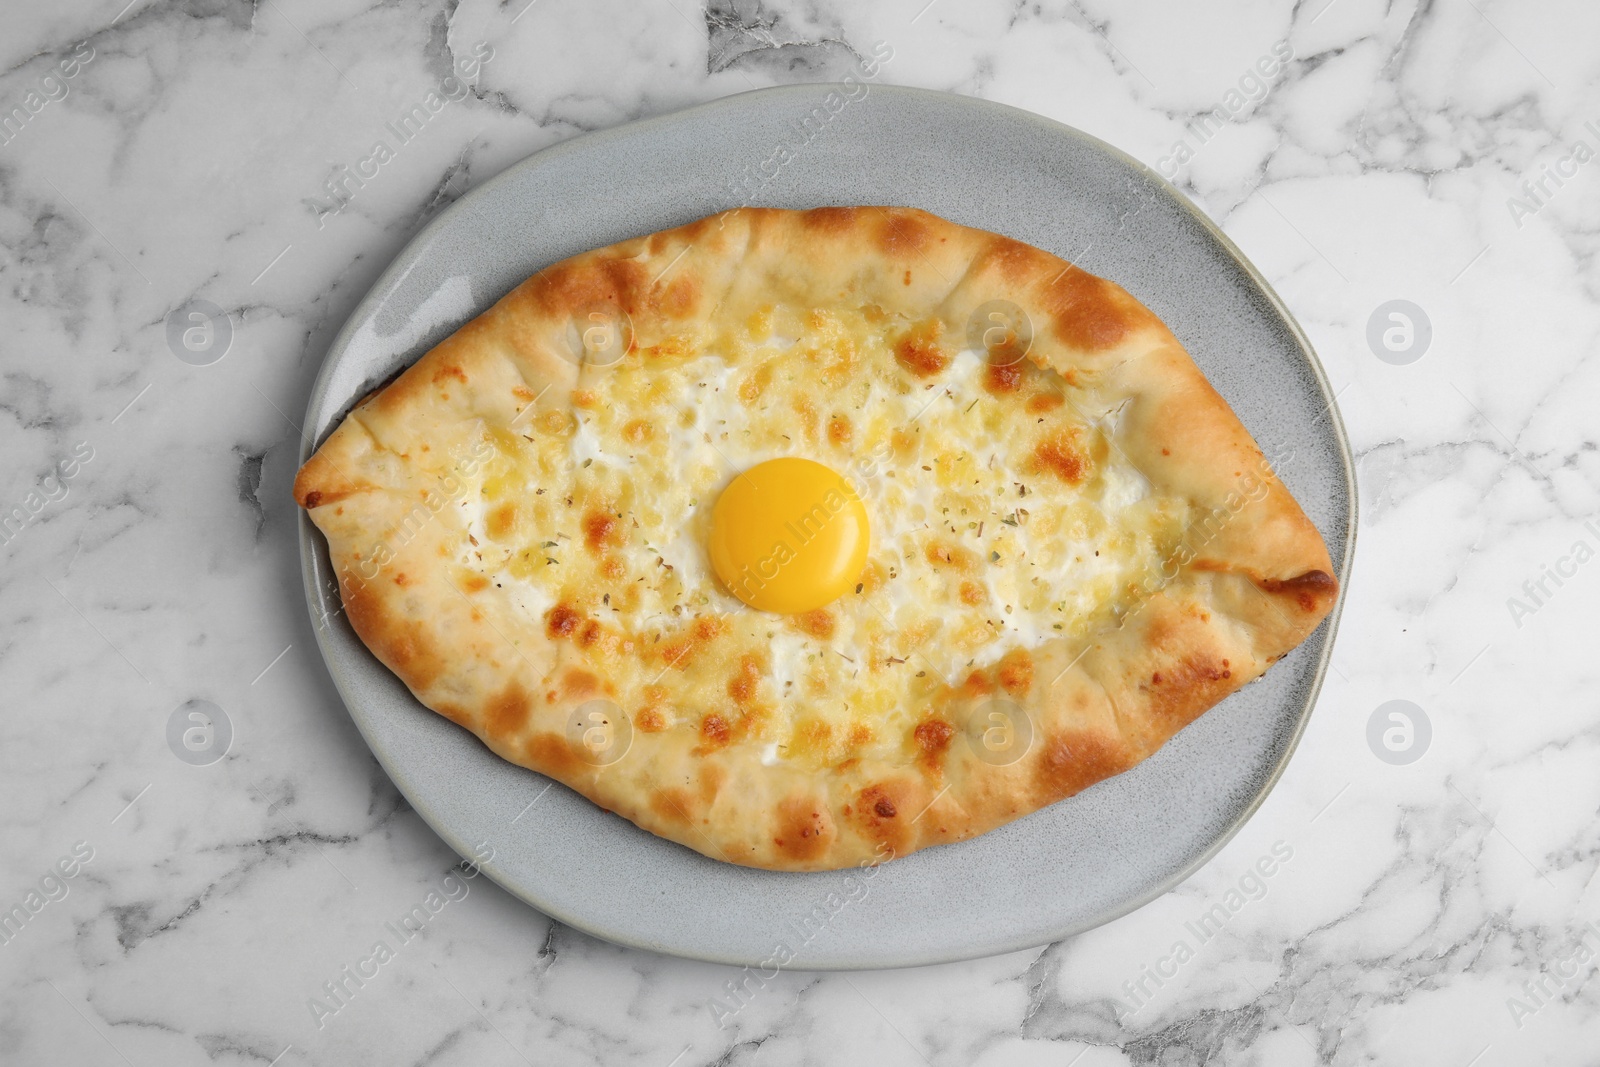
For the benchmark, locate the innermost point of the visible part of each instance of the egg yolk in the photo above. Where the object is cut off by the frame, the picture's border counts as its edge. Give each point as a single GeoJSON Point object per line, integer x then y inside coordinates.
{"type": "Point", "coordinates": [789, 535]}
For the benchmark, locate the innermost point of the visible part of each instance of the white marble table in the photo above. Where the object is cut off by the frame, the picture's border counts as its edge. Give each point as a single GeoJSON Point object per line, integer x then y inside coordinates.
{"type": "Point", "coordinates": [1438, 911]}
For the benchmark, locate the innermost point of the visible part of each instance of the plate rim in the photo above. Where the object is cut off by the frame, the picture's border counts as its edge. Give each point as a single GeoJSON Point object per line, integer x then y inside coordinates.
{"type": "Point", "coordinates": [314, 580]}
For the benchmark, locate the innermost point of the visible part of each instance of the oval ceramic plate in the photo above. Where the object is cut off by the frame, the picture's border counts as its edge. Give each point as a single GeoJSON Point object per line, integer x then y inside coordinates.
{"type": "Point", "coordinates": [1065, 869]}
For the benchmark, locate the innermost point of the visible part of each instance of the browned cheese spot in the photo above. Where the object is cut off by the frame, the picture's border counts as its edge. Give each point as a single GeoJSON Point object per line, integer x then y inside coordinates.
{"type": "Point", "coordinates": [942, 553]}
{"type": "Point", "coordinates": [679, 652]}
{"type": "Point", "coordinates": [818, 623]}
{"type": "Point", "coordinates": [918, 349]}
{"type": "Point", "coordinates": [743, 685]}
{"type": "Point", "coordinates": [1002, 377]}
{"type": "Point", "coordinates": [1016, 671]}
{"type": "Point", "coordinates": [752, 385]}
{"type": "Point", "coordinates": [811, 738]}
{"type": "Point", "coordinates": [502, 521]}
{"type": "Point", "coordinates": [714, 730]}
{"type": "Point", "coordinates": [589, 634]}
{"type": "Point", "coordinates": [933, 737]}
{"type": "Point", "coordinates": [1058, 454]}
{"type": "Point", "coordinates": [808, 415]}
{"type": "Point", "coordinates": [561, 621]}
{"type": "Point", "coordinates": [839, 430]}
{"type": "Point", "coordinates": [598, 529]}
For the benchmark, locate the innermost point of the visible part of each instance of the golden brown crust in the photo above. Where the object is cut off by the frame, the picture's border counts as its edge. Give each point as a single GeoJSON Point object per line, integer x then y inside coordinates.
{"type": "Point", "coordinates": [1251, 580]}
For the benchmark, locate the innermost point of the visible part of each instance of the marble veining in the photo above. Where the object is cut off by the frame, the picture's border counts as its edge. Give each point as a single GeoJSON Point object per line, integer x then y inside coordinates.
{"type": "Point", "coordinates": [165, 157]}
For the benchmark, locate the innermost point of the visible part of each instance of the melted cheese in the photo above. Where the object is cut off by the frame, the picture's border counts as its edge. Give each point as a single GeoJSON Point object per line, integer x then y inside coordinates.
{"type": "Point", "coordinates": [999, 520]}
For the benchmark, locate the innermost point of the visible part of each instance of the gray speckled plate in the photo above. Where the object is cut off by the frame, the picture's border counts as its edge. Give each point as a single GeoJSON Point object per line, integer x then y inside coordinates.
{"type": "Point", "coordinates": [1070, 867]}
